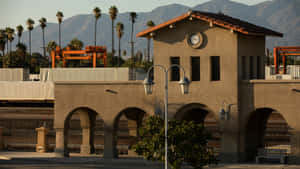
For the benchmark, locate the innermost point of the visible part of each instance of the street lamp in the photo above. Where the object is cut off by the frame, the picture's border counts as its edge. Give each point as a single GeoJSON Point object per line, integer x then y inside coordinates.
{"type": "Point", "coordinates": [148, 84]}
{"type": "Point", "coordinates": [225, 111]}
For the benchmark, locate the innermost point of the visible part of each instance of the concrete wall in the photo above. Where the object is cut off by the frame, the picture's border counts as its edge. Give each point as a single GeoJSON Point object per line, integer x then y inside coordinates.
{"type": "Point", "coordinates": [87, 74]}
{"type": "Point", "coordinates": [14, 74]}
{"type": "Point", "coordinates": [26, 90]}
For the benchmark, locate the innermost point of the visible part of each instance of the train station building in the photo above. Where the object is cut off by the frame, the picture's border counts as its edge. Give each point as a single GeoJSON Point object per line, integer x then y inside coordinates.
{"type": "Point", "coordinates": [100, 109]}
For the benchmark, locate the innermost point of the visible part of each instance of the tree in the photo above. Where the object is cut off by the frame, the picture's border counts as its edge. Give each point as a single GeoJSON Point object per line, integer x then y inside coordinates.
{"type": "Point", "coordinates": [20, 30]}
{"type": "Point", "coordinates": [149, 24]}
{"type": "Point", "coordinates": [124, 52]}
{"type": "Point", "coordinates": [76, 44]}
{"type": "Point", "coordinates": [43, 24]}
{"type": "Point", "coordinates": [2, 41]}
{"type": "Point", "coordinates": [59, 16]}
{"type": "Point", "coordinates": [97, 13]}
{"type": "Point", "coordinates": [17, 59]}
{"type": "Point", "coordinates": [133, 17]}
{"type": "Point", "coordinates": [113, 12]}
{"type": "Point", "coordinates": [30, 24]}
{"type": "Point", "coordinates": [51, 46]}
{"type": "Point", "coordinates": [187, 142]}
{"type": "Point", "coordinates": [21, 47]}
{"type": "Point", "coordinates": [10, 36]}
{"type": "Point", "coordinates": [120, 31]}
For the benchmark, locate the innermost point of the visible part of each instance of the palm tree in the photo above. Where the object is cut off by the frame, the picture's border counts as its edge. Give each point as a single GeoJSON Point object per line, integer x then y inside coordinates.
{"type": "Point", "coordinates": [19, 32]}
{"type": "Point", "coordinates": [76, 44]}
{"type": "Point", "coordinates": [59, 16]}
{"type": "Point", "coordinates": [97, 13]}
{"type": "Point", "coordinates": [51, 46]}
{"type": "Point", "coordinates": [6, 35]}
{"type": "Point", "coordinates": [113, 11]}
{"type": "Point", "coordinates": [133, 17]}
{"type": "Point", "coordinates": [30, 24]}
{"type": "Point", "coordinates": [149, 24]}
{"type": "Point", "coordinates": [120, 31]}
{"type": "Point", "coordinates": [10, 36]}
{"type": "Point", "coordinates": [2, 41]}
{"type": "Point", "coordinates": [43, 24]}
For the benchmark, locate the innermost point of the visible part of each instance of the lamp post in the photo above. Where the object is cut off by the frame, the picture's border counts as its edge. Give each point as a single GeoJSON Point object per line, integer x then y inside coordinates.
{"type": "Point", "coordinates": [148, 84]}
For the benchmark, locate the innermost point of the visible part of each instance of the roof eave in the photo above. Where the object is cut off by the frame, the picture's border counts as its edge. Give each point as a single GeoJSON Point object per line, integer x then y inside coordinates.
{"type": "Point", "coordinates": [146, 32]}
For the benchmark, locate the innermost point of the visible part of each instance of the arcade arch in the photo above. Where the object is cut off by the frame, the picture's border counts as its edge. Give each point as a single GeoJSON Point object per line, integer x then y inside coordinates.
{"type": "Point", "coordinates": [200, 113]}
{"type": "Point", "coordinates": [79, 131]}
{"type": "Point", "coordinates": [126, 125]}
{"type": "Point", "coordinates": [266, 128]}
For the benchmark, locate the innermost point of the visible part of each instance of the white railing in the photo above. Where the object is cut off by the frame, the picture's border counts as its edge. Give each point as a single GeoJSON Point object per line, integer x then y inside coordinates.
{"type": "Point", "coordinates": [292, 72]}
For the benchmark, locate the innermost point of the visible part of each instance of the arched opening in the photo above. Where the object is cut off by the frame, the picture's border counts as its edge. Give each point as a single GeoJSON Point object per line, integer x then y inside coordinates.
{"type": "Point", "coordinates": [200, 113]}
{"type": "Point", "coordinates": [266, 129]}
{"type": "Point", "coordinates": [84, 132]}
{"type": "Point", "coordinates": [126, 127]}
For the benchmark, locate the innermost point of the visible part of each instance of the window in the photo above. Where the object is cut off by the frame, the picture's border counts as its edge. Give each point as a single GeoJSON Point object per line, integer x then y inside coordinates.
{"type": "Point", "coordinates": [215, 68]}
{"type": "Point", "coordinates": [244, 66]}
{"type": "Point", "coordinates": [195, 64]}
{"type": "Point", "coordinates": [258, 67]}
{"type": "Point", "coordinates": [251, 71]}
{"type": "Point", "coordinates": [175, 72]}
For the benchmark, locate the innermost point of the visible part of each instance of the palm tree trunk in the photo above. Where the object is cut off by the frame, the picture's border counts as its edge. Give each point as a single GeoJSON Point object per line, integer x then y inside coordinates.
{"type": "Point", "coordinates": [3, 64]}
{"type": "Point", "coordinates": [44, 42]}
{"type": "Point", "coordinates": [59, 36]}
{"type": "Point", "coordinates": [30, 43]}
{"type": "Point", "coordinates": [132, 50]}
{"type": "Point", "coordinates": [112, 42]}
{"type": "Point", "coordinates": [148, 52]}
{"type": "Point", "coordinates": [95, 32]}
{"type": "Point", "coordinates": [119, 51]}
{"type": "Point", "coordinates": [9, 46]}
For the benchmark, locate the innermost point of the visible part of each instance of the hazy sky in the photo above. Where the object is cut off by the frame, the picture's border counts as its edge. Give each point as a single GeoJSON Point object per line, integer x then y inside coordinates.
{"type": "Point", "coordinates": [15, 12]}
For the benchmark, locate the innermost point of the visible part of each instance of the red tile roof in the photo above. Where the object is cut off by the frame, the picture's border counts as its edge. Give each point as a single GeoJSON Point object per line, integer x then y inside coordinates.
{"type": "Point", "coordinates": [219, 20]}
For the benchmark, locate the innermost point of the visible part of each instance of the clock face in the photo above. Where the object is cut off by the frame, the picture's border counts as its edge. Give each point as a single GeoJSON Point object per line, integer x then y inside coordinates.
{"type": "Point", "coordinates": [195, 40]}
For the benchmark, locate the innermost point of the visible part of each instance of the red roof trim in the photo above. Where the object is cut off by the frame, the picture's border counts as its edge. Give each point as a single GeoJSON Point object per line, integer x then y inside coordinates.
{"type": "Point", "coordinates": [242, 29]}
{"type": "Point", "coordinates": [179, 18]}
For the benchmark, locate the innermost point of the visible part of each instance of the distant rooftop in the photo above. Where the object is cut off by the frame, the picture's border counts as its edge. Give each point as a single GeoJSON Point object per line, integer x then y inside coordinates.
{"type": "Point", "coordinates": [218, 19]}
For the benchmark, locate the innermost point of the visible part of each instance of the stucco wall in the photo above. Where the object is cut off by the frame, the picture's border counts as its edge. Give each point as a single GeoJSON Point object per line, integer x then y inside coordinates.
{"type": "Point", "coordinates": [274, 94]}
{"type": "Point", "coordinates": [251, 46]}
{"type": "Point", "coordinates": [108, 99]}
{"type": "Point", "coordinates": [217, 42]}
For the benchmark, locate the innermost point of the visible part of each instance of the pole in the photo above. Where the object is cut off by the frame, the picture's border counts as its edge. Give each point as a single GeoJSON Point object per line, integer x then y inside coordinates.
{"type": "Point", "coordinates": [166, 70]}
{"type": "Point", "coordinates": [166, 119]}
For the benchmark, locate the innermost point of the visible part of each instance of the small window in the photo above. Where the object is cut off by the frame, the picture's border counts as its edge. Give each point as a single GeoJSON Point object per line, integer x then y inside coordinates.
{"type": "Point", "coordinates": [258, 67]}
{"type": "Point", "coordinates": [215, 68]}
{"type": "Point", "coordinates": [244, 66]}
{"type": "Point", "coordinates": [175, 72]}
{"type": "Point", "coordinates": [195, 64]}
{"type": "Point", "coordinates": [251, 70]}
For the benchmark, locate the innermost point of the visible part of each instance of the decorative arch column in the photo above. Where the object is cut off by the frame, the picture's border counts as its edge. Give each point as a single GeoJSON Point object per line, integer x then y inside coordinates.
{"type": "Point", "coordinates": [109, 140]}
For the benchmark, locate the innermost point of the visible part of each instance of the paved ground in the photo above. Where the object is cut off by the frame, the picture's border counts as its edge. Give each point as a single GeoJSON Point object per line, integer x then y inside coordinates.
{"type": "Point", "coordinates": [19, 160]}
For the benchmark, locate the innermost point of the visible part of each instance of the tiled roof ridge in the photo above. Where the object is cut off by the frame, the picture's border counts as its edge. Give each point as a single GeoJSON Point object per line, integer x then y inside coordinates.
{"type": "Point", "coordinates": [219, 19]}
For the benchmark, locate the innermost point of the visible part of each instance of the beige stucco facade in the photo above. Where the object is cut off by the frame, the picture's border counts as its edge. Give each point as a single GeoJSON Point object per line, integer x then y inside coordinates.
{"type": "Point", "coordinates": [247, 97]}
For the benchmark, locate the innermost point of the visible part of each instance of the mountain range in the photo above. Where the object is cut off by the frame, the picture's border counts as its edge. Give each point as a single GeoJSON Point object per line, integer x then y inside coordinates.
{"type": "Point", "coordinates": [280, 15]}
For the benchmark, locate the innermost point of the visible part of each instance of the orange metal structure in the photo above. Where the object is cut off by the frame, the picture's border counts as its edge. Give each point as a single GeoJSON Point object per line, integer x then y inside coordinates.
{"type": "Point", "coordinates": [90, 53]}
{"type": "Point", "coordinates": [284, 51]}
